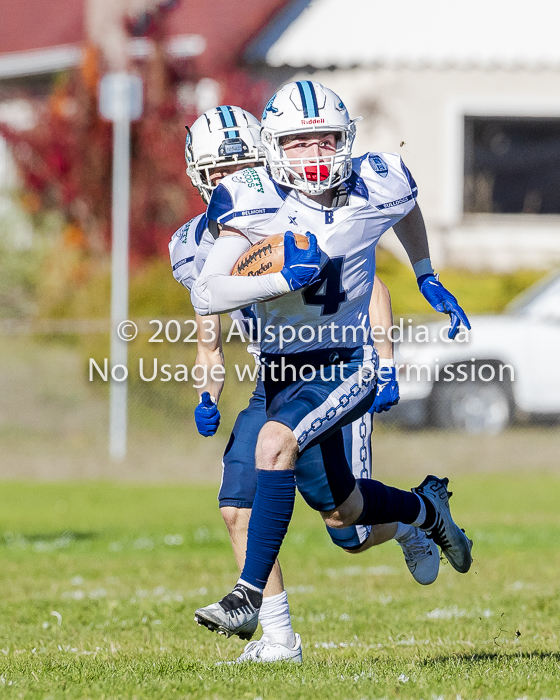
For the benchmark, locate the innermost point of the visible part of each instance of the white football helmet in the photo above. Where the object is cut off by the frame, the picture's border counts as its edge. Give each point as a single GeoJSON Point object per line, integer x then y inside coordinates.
{"type": "Point", "coordinates": [303, 107]}
{"type": "Point", "coordinates": [225, 135]}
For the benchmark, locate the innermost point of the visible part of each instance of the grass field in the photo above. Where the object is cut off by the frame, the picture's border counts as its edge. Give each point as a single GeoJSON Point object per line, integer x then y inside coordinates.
{"type": "Point", "coordinates": [100, 581]}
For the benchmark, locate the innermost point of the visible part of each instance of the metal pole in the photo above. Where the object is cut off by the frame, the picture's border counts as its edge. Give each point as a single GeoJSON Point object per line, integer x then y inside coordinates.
{"type": "Point", "coordinates": [119, 285]}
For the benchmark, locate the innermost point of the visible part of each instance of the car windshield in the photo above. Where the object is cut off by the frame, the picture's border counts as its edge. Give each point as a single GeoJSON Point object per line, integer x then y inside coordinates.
{"type": "Point", "coordinates": [542, 292]}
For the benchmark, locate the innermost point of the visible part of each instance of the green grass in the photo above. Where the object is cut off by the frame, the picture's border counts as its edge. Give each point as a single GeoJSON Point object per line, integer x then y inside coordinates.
{"type": "Point", "coordinates": [124, 567]}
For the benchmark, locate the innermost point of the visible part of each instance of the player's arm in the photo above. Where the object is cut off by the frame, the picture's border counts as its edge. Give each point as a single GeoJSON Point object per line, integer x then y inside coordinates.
{"type": "Point", "coordinates": [217, 291]}
{"type": "Point", "coordinates": [381, 320]}
{"type": "Point", "coordinates": [210, 356]}
{"type": "Point", "coordinates": [411, 232]}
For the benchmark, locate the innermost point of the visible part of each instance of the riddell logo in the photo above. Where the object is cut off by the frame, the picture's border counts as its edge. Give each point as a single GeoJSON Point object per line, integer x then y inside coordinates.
{"type": "Point", "coordinates": [313, 121]}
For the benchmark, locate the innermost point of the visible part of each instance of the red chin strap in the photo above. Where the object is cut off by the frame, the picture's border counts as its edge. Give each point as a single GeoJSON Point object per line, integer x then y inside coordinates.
{"type": "Point", "coordinates": [311, 173]}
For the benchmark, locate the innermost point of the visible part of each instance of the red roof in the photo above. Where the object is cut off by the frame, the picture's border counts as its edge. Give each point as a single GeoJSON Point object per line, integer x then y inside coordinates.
{"type": "Point", "coordinates": [39, 24]}
{"type": "Point", "coordinates": [226, 26]}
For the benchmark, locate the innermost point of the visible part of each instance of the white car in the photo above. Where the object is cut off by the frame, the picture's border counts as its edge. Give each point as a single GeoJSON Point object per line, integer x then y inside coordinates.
{"type": "Point", "coordinates": [507, 365]}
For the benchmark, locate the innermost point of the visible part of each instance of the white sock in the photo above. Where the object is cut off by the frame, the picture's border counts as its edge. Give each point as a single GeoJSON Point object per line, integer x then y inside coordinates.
{"type": "Point", "coordinates": [404, 532]}
{"type": "Point", "coordinates": [241, 582]}
{"type": "Point", "coordinates": [274, 617]}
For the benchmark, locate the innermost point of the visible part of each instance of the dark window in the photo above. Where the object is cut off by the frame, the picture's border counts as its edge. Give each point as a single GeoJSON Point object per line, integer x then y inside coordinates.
{"type": "Point", "coordinates": [512, 165]}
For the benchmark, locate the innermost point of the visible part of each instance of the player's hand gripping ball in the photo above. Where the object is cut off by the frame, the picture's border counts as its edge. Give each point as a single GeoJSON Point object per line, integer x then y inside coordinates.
{"type": "Point", "coordinates": [296, 256]}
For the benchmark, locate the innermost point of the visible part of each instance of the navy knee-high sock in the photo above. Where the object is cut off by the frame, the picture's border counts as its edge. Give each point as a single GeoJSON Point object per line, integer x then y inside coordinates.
{"type": "Point", "coordinates": [271, 514]}
{"type": "Point", "coordinates": [386, 504]}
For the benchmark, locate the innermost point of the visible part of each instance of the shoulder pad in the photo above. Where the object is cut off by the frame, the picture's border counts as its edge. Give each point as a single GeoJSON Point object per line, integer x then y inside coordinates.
{"type": "Point", "coordinates": [389, 181]}
{"type": "Point", "coordinates": [245, 198]}
{"type": "Point", "coordinates": [184, 248]}
{"type": "Point", "coordinates": [192, 229]}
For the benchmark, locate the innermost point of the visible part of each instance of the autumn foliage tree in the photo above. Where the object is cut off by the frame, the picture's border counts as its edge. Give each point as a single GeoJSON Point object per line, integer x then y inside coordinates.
{"type": "Point", "coordinates": [64, 161]}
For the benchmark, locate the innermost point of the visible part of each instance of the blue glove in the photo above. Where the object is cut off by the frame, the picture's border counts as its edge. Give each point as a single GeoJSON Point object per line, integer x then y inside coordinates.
{"type": "Point", "coordinates": [206, 416]}
{"type": "Point", "coordinates": [301, 267]}
{"type": "Point", "coordinates": [444, 302]}
{"type": "Point", "coordinates": [386, 391]}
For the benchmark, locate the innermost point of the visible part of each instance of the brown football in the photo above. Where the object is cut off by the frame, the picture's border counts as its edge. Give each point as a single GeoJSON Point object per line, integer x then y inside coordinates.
{"type": "Point", "coordinates": [266, 256]}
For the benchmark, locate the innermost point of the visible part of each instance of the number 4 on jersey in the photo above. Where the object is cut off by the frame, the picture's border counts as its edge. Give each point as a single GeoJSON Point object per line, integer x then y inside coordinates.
{"type": "Point", "coordinates": [327, 290]}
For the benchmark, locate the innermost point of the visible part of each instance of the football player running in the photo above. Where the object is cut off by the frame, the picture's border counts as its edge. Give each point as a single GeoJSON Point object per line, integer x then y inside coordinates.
{"type": "Point", "coordinates": [197, 236]}
{"type": "Point", "coordinates": [314, 185]}
{"type": "Point", "coordinates": [212, 151]}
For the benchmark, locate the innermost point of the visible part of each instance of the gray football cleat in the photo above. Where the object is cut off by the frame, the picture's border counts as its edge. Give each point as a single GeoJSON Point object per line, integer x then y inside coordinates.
{"type": "Point", "coordinates": [455, 545]}
{"type": "Point", "coordinates": [236, 613]}
{"type": "Point", "coordinates": [421, 555]}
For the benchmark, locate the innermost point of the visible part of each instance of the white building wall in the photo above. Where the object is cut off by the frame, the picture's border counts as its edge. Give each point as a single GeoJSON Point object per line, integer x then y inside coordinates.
{"type": "Point", "coordinates": [419, 114]}
{"type": "Point", "coordinates": [15, 226]}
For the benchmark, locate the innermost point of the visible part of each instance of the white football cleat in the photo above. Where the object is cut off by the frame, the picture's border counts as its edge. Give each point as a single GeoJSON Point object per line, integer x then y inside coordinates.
{"type": "Point", "coordinates": [454, 544]}
{"type": "Point", "coordinates": [266, 652]}
{"type": "Point", "coordinates": [421, 555]}
{"type": "Point", "coordinates": [236, 613]}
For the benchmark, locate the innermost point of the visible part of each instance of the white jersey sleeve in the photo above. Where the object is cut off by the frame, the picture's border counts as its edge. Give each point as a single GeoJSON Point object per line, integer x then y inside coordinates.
{"type": "Point", "coordinates": [189, 248]}
{"type": "Point", "coordinates": [234, 203]}
{"type": "Point", "coordinates": [247, 201]}
{"type": "Point", "coordinates": [392, 189]}
{"type": "Point", "coordinates": [217, 291]}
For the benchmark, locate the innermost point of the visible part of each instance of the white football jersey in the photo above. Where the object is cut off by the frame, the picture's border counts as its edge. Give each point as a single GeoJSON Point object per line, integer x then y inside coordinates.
{"type": "Point", "coordinates": [333, 311]}
{"type": "Point", "coordinates": [188, 249]}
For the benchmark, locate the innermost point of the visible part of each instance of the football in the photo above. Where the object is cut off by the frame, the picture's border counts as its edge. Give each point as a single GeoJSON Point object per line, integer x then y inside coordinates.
{"type": "Point", "coordinates": [266, 256]}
